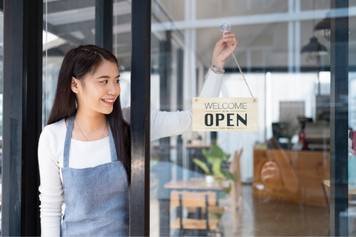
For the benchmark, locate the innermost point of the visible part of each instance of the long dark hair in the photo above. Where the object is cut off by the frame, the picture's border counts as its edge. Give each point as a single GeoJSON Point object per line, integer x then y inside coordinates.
{"type": "Point", "coordinates": [77, 63]}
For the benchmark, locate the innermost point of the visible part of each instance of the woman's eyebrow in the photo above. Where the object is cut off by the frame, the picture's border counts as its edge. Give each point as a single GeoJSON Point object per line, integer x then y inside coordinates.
{"type": "Point", "coordinates": [106, 77]}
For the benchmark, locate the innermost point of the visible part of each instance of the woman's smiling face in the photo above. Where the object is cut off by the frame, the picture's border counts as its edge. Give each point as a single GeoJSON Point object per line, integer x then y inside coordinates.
{"type": "Point", "coordinates": [97, 91]}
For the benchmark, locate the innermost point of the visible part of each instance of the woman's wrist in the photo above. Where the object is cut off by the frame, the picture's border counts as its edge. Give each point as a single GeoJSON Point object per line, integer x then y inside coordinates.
{"type": "Point", "coordinates": [218, 63]}
{"type": "Point", "coordinates": [217, 68]}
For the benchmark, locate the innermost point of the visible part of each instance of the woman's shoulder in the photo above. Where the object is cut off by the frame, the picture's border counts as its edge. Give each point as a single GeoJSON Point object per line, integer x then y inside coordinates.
{"type": "Point", "coordinates": [54, 131]}
{"type": "Point", "coordinates": [57, 127]}
{"type": "Point", "coordinates": [51, 136]}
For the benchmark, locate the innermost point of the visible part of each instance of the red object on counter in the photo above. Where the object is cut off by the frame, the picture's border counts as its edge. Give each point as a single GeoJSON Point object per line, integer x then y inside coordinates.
{"type": "Point", "coordinates": [302, 140]}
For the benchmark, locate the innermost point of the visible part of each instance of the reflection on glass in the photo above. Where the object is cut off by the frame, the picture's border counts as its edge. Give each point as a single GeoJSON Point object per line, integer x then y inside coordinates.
{"type": "Point", "coordinates": [238, 8]}
{"type": "Point", "coordinates": [271, 182]}
{"type": "Point", "coordinates": [66, 25]}
{"type": "Point", "coordinates": [352, 126]}
{"type": "Point", "coordinates": [1, 98]}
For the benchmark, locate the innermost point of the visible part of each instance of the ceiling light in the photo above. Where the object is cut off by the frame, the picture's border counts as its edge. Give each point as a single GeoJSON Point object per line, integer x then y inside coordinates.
{"type": "Point", "coordinates": [314, 47]}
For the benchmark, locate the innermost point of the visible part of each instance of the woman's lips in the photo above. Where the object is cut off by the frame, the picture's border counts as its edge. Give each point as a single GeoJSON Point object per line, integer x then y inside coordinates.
{"type": "Point", "coordinates": [108, 101]}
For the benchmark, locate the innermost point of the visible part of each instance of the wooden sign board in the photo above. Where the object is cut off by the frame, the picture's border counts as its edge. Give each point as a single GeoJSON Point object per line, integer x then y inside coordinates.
{"type": "Point", "coordinates": [224, 114]}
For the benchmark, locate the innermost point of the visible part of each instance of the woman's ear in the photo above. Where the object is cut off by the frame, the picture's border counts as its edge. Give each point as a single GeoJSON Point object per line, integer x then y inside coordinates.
{"type": "Point", "coordinates": [74, 85]}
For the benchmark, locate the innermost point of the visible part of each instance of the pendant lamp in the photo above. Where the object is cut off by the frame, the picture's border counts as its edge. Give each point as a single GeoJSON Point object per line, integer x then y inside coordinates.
{"type": "Point", "coordinates": [314, 47]}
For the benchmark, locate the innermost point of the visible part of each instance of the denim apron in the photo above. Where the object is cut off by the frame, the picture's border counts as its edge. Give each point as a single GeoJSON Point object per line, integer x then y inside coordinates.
{"type": "Point", "coordinates": [96, 198]}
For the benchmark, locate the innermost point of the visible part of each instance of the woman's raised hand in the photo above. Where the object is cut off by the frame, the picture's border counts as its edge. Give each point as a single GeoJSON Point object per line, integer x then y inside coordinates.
{"type": "Point", "coordinates": [224, 48]}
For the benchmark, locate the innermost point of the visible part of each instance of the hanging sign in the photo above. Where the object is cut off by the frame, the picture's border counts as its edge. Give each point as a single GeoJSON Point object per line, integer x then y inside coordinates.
{"type": "Point", "coordinates": [224, 114]}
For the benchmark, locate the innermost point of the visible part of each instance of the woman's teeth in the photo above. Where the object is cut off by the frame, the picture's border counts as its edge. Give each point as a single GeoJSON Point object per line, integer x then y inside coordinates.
{"type": "Point", "coordinates": [108, 101]}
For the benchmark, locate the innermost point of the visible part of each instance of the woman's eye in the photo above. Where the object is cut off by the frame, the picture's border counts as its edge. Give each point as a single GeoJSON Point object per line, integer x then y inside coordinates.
{"type": "Point", "coordinates": [118, 81]}
{"type": "Point", "coordinates": [103, 82]}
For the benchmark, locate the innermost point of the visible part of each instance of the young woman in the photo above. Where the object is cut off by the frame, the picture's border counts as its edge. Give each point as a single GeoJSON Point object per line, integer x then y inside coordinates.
{"type": "Point", "coordinates": [84, 151]}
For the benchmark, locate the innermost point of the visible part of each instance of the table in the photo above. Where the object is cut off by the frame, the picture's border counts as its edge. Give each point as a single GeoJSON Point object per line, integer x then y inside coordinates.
{"type": "Point", "coordinates": [197, 184]}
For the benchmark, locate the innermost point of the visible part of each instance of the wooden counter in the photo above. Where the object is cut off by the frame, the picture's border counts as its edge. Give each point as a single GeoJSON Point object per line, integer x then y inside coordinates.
{"type": "Point", "coordinates": [300, 177]}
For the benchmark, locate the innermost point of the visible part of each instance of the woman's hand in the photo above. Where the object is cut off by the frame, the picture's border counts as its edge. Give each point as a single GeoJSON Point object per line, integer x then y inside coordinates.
{"type": "Point", "coordinates": [223, 49]}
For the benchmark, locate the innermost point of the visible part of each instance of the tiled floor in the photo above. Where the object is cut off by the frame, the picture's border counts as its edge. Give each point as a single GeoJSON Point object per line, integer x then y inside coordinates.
{"type": "Point", "coordinates": [272, 218]}
{"type": "Point", "coordinates": [264, 218]}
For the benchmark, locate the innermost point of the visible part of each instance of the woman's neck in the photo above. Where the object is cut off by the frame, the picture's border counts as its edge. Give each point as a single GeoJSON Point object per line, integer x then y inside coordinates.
{"type": "Point", "coordinates": [90, 123]}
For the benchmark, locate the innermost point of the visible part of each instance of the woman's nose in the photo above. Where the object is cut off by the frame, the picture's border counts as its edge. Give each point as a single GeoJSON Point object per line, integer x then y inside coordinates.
{"type": "Point", "coordinates": [114, 88]}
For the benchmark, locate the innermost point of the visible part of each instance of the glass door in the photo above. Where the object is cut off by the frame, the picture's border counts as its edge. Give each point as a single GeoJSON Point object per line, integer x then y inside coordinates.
{"type": "Point", "coordinates": [274, 181]}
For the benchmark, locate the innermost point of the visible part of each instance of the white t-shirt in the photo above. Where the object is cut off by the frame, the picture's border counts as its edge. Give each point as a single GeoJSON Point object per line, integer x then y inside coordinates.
{"type": "Point", "coordinates": [84, 154]}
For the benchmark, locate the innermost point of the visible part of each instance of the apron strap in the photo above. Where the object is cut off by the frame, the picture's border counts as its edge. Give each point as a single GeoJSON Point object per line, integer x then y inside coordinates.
{"type": "Point", "coordinates": [112, 146]}
{"type": "Point", "coordinates": [70, 124]}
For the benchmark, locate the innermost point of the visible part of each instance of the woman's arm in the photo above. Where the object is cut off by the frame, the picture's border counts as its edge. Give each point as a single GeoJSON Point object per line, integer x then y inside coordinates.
{"type": "Point", "coordinates": [212, 84]}
{"type": "Point", "coordinates": [165, 124]}
{"type": "Point", "coordinates": [51, 191]}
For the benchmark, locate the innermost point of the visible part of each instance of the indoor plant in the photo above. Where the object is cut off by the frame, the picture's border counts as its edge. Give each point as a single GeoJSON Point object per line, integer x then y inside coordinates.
{"type": "Point", "coordinates": [213, 163]}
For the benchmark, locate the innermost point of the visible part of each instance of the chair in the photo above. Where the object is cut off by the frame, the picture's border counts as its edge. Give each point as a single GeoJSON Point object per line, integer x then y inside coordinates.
{"type": "Point", "coordinates": [202, 204]}
{"type": "Point", "coordinates": [236, 192]}
{"type": "Point", "coordinates": [326, 189]}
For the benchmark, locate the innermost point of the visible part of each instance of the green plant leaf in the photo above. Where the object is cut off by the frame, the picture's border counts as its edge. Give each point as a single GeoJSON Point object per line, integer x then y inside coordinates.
{"type": "Point", "coordinates": [211, 159]}
{"type": "Point", "coordinates": [205, 152]}
{"type": "Point", "coordinates": [216, 168]}
{"type": "Point", "coordinates": [203, 166]}
{"type": "Point", "coordinates": [215, 152]}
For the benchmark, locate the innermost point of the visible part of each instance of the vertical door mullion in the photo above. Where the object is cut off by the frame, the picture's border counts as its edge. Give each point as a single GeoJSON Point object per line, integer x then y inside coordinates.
{"type": "Point", "coordinates": [22, 116]}
{"type": "Point", "coordinates": [140, 118]}
{"type": "Point", "coordinates": [104, 24]}
{"type": "Point", "coordinates": [339, 122]}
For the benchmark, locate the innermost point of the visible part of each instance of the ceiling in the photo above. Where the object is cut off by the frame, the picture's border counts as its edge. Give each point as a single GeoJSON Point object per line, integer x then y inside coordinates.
{"type": "Point", "coordinates": [262, 44]}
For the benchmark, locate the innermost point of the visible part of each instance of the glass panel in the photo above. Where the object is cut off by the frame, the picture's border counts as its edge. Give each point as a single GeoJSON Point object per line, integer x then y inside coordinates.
{"type": "Point", "coordinates": [1, 96]}
{"type": "Point", "coordinates": [352, 127]}
{"type": "Point", "coordinates": [307, 33]}
{"type": "Point", "coordinates": [122, 47]}
{"type": "Point", "coordinates": [216, 9]}
{"type": "Point", "coordinates": [280, 169]}
{"type": "Point", "coordinates": [315, 4]}
{"type": "Point", "coordinates": [67, 24]}
{"type": "Point", "coordinates": [255, 51]}
{"type": "Point", "coordinates": [168, 10]}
